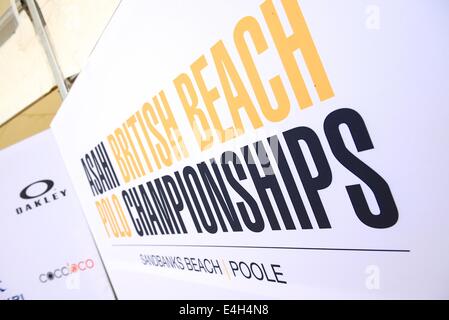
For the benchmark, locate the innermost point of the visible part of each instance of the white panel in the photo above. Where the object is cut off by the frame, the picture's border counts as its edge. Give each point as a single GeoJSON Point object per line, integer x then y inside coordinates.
{"type": "Point", "coordinates": [46, 251]}
{"type": "Point", "coordinates": [386, 62]}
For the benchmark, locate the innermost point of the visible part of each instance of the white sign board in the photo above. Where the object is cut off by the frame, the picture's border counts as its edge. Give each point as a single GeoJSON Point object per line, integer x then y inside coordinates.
{"type": "Point", "coordinates": [47, 251]}
{"type": "Point", "coordinates": [266, 149]}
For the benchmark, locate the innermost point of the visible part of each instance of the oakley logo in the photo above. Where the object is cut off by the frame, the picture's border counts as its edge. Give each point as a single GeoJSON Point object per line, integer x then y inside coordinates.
{"type": "Point", "coordinates": [1, 289]}
{"type": "Point", "coordinates": [25, 194]}
{"type": "Point", "coordinates": [38, 194]}
{"type": "Point", "coordinates": [67, 270]}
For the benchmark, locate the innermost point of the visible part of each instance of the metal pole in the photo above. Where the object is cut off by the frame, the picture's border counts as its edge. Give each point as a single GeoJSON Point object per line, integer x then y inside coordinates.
{"type": "Point", "coordinates": [42, 32]}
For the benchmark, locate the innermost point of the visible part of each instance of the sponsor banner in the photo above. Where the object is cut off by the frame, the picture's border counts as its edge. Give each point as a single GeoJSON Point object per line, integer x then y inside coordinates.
{"type": "Point", "coordinates": [47, 251]}
{"type": "Point", "coordinates": [266, 149]}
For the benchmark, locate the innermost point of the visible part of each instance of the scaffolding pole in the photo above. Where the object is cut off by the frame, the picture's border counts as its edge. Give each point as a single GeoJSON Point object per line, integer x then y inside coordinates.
{"type": "Point", "coordinates": [48, 48]}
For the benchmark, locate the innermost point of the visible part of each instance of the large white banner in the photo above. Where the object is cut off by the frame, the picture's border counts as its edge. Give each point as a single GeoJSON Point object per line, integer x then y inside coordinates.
{"type": "Point", "coordinates": [46, 249]}
{"type": "Point", "coordinates": [266, 148]}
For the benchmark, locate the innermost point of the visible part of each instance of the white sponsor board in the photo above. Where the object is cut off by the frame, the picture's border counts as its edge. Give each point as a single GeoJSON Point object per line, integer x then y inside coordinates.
{"type": "Point", "coordinates": [46, 251]}
{"type": "Point", "coordinates": [266, 149]}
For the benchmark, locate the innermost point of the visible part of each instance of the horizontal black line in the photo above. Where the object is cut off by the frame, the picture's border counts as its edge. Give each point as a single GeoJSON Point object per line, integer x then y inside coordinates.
{"type": "Point", "coordinates": [261, 247]}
